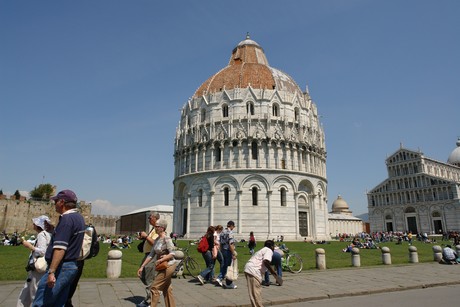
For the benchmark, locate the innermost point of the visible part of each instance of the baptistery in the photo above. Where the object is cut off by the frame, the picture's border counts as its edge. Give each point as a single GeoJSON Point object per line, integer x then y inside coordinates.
{"type": "Point", "coordinates": [250, 148]}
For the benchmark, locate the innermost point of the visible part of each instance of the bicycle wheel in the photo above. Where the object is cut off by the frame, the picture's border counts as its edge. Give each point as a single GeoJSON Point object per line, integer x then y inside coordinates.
{"type": "Point", "coordinates": [294, 263]}
{"type": "Point", "coordinates": [192, 267]}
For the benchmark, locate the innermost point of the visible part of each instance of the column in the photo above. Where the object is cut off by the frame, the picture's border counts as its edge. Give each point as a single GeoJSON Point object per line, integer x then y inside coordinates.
{"type": "Point", "coordinates": [196, 159]}
{"type": "Point", "coordinates": [259, 157]}
{"type": "Point", "coordinates": [211, 167]}
{"type": "Point", "coordinates": [269, 212]}
{"type": "Point", "coordinates": [211, 208]}
{"type": "Point", "coordinates": [188, 215]}
{"type": "Point", "coordinates": [296, 204]}
{"type": "Point", "coordinates": [204, 158]}
{"type": "Point", "coordinates": [230, 156]}
{"type": "Point", "coordinates": [239, 213]}
{"type": "Point", "coordinates": [222, 155]}
{"type": "Point", "coordinates": [239, 154]}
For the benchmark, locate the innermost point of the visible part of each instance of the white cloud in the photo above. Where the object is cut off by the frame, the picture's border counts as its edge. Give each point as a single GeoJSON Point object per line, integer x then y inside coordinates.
{"type": "Point", "coordinates": [105, 207]}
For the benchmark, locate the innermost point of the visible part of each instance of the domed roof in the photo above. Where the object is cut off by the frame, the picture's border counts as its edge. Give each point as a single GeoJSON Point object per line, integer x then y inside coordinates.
{"type": "Point", "coordinates": [454, 157]}
{"type": "Point", "coordinates": [248, 66]}
{"type": "Point", "coordinates": [339, 205]}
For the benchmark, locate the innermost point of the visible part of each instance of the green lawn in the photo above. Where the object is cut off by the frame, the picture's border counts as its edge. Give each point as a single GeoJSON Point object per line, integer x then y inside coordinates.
{"type": "Point", "coordinates": [13, 258]}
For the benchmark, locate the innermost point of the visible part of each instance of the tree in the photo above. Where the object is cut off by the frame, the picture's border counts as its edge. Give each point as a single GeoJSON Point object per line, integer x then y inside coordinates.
{"type": "Point", "coordinates": [42, 192]}
{"type": "Point", "coordinates": [17, 195]}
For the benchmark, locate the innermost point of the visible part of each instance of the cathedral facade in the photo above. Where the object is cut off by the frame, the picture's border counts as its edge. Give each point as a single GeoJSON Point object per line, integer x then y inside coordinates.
{"type": "Point", "coordinates": [420, 195]}
{"type": "Point", "coordinates": [250, 148]}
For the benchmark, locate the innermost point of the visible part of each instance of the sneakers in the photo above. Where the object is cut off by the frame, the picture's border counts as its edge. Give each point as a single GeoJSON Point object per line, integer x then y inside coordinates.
{"type": "Point", "coordinates": [219, 281]}
{"type": "Point", "coordinates": [232, 286]}
{"type": "Point", "coordinates": [201, 279]}
{"type": "Point", "coordinates": [266, 284]}
{"type": "Point", "coordinates": [143, 304]}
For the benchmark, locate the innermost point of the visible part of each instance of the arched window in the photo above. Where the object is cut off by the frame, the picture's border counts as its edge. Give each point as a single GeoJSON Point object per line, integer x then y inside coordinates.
{"type": "Point", "coordinates": [218, 154]}
{"type": "Point", "coordinates": [296, 114]}
{"type": "Point", "coordinates": [226, 194]}
{"type": "Point", "coordinates": [203, 115]}
{"type": "Point", "coordinates": [224, 110]}
{"type": "Point", "coordinates": [275, 109]}
{"type": "Point", "coordinates": [250, 108]}
{"type": "Point", "coordinates": [283, 164]}
{"type": "Point", "coordinates": [200, 198]}
{"type": "Point", "coordinates": [254, 196]}
{"type": "Point", "coordinates": [283, 197]}
{"type": "Point", "coordinates": [254, 150]}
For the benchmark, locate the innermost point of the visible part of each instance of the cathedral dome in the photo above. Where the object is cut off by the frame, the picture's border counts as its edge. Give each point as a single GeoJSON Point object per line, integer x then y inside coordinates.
{"type": "Point", "coordinates": [248, 67]}
{"type": "Point", "coordinates": [340, 205]}
{"type": "Point", "coordinates": [454, 157]}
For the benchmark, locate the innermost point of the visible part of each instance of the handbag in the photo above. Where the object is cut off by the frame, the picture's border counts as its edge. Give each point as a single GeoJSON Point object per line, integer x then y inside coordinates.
{"type": "Point", "coordinates": [161, 266]}
{"type": "Point", "coordinates": [140, 246]}
{"type": "Point", "coordinates": [40, 265]}
{"type": "Point", "coordinates": [232, 271]}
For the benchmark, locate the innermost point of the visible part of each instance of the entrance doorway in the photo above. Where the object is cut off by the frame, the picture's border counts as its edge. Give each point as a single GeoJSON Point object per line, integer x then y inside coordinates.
{"type": "Point", "coordinates": [303, 224]}
{"type": "Point", "coordinates": [437, 226]}
{"type": "Point", "coordinates": [184, 221]}
{"type": "Point", "coordinates": [412, 224]}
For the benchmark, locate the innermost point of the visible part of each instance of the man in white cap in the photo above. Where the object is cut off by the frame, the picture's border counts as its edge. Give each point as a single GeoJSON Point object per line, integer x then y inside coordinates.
{"type": "Point", "coordinates": [62, 253]}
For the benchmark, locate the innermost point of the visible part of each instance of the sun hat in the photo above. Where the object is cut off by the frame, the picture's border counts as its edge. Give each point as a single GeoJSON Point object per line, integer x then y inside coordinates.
{"type": "Point", "coordinates": [40, 221]}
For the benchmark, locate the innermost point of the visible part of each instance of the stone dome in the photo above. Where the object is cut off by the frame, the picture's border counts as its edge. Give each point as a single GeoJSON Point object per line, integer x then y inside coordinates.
{"type": "Point", "coordinates": [454, 157]}
{"type": "Point", "coordinates": [339, 204]}
{"type": "Point", "coordinates": [248, 67]}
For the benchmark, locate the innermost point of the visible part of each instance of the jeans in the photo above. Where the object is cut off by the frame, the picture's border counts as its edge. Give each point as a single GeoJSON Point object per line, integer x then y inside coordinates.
{"type": "Point", "coordinates": [220, 259]}
{"type": "Point", "coordinates": [227, 254]}
{"type": "Point", "coordinates": [206, 273]}
{"type": "Point", "coordinates": [56, 296]}
{"type": "Point", "coordinates": [276, 261]}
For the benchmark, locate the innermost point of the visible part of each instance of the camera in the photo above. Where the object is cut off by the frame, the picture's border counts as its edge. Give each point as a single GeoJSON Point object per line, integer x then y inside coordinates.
{"type": "Point", "coordinates": [30, 267]}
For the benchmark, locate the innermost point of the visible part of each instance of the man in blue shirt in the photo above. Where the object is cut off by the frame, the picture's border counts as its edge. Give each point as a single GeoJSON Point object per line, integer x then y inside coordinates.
{"type": "Point", "coordinates": [62, 253]}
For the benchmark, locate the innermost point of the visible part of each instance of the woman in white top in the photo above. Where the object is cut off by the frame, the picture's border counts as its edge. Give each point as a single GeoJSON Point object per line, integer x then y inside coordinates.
{"type": "Point", "coordinates": [27, 295]}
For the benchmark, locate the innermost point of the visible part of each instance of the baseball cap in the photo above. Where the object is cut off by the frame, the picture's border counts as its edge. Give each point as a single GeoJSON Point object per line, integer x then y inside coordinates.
{"type": "Point", "coordinates": [66, 195]}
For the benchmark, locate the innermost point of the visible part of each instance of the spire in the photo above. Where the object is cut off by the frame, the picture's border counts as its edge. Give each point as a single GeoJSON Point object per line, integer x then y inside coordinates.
{"type": "Point", "coordinates": [247, 35]}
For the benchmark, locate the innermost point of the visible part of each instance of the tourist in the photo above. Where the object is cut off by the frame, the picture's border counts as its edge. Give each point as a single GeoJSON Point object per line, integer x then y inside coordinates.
{"type": "Point", "coordinates": [62, 252]}
{"type": "Point", "coordinates": [227, 247]}
{"type": "Point", "coordinates": [163, 250]}
{"type": "Point", "coordinates": [449, 256]}
{"type": "Point", "coordinates": [219, 256]}
{"type": "Point", "coordinates": [206, 274]}
{"type": "Point", "coordinates": [276, 262]}
{"type": "Point", "coordinates": [148, 272]}
{"type": "Point", "coordinates": [38, 249]}
{"type": "Point", "coordinates": [251, 243]}
{"type": "Point", "coordinates": [254, 270]}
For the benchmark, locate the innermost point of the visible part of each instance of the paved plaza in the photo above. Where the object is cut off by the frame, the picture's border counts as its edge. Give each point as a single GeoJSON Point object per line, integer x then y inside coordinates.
{"type": "Point", "coordinates": [306, 286]}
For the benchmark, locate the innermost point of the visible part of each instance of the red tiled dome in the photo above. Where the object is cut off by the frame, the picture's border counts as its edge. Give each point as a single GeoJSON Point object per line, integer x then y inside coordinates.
{"type": "Point", "coordinates": [248, 66]}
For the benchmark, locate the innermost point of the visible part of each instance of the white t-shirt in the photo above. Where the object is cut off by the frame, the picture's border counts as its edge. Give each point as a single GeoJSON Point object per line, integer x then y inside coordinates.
{"type": "Point", "coordinates": [255, 266]}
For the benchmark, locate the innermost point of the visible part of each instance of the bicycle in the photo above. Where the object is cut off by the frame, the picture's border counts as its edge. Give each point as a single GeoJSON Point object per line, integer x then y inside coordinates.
{"type": "Point", "coordinates": [291, 262]}
{"type": "Point", "coordinates": [187, 263]}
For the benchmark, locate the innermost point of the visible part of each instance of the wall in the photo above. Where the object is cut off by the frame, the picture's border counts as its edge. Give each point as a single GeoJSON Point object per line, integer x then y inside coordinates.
{"type": "Point", "coordinates": [17, 216]}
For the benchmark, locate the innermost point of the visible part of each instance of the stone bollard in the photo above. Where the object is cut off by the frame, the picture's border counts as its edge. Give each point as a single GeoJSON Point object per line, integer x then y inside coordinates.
{"type": "Point", "coordinates": [114, 263]}
{"type": "Point", "coordinates": [355, 258]}
{"type": "Point", "coordinates": [437, 253]}
{"type": "Point", "coordinates": [179, 255]}
{"type": "Point", "coordinates": [413, 255]}
{"type": "Point", "coordinates": [386, 256]}
{"type": "Point", "coordinates": [320, 259]}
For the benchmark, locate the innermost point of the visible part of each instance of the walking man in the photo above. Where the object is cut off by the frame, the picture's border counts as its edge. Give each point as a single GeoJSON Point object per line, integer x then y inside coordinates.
{"type": "Point", "coordinates": [227, 247]}
{"type": "Point", "coordinates": [148, 273]}
{"type": "Point", "coordinates": [62, 252]}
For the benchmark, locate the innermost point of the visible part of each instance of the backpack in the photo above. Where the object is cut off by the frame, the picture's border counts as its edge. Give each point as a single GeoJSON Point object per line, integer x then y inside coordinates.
{"type": "Point", "coordinates": [203, 246]}
{"type": "Point", "coordinates": [90, 245]}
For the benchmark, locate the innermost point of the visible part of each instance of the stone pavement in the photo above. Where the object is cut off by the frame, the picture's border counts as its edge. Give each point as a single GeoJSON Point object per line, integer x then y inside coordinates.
{"type": "Point", "coordinates": [306, 286]}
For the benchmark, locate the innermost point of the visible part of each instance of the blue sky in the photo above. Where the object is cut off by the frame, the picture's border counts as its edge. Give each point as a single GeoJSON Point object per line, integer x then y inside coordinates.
{"type": "Point", "coordinates": [90, 91]}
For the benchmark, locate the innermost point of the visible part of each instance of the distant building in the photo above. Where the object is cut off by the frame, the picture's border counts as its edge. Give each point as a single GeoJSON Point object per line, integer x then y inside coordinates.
{"type": "Point", "coordinates": [137, 220]}
{"type": "Point", "coordinates": [250, 148]}
{"type": "Point", "coordinates": [341, 219]}
{"type": "Point", "coordinates": [420, 195]}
